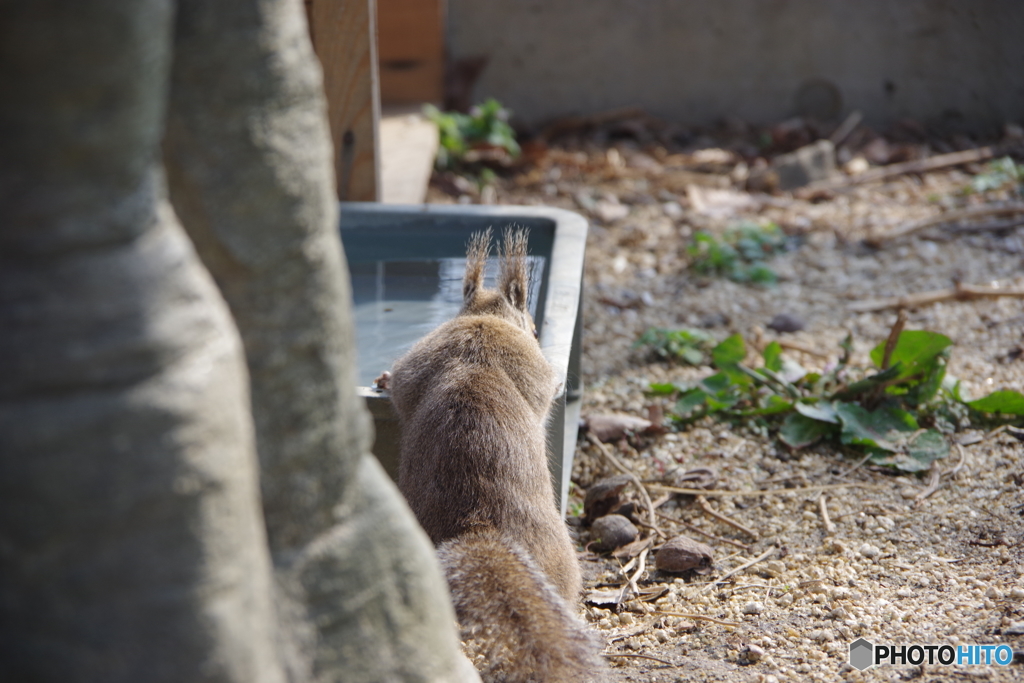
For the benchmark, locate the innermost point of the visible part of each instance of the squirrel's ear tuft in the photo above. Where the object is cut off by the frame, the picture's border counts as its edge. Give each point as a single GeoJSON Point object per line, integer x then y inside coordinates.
{"type": "Point", "coordinates": [514, 279]}
{"type": "Point", "coordinates": [477, 251]}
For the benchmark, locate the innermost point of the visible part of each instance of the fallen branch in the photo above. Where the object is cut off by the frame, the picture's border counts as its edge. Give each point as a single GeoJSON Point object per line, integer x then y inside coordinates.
{"type": "Point", "coordinates": [972, 213]}
{"type": "Point", "coordinates": [934, 163]}
{"type": "Point", "coordinates": [960, 292]}
{"type": "Point", "coordinates": [766, 492]}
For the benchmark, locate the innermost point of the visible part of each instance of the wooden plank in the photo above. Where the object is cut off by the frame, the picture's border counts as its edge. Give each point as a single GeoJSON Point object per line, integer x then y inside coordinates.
{"type": "Point", "coordinates": [344, 38]}
{"type": "Point", "coordinates": [408, 145]}
{"type": "Point", "coordinates": [410, 44]}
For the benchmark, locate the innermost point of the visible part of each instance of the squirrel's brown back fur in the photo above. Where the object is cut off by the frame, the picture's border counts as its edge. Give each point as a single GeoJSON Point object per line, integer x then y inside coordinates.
{"type": "Point", "coordinates": [473, 399]}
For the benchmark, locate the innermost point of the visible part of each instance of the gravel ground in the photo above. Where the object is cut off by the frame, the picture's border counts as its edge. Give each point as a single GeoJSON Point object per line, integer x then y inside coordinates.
{"type": "Point", "coordinates": [883, 565]}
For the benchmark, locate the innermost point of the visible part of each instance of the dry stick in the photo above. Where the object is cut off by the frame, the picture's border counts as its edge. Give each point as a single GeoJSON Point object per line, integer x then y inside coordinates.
{"type": "Point", "coordinates": [960, 292]}
{"type": "Point", "coordinates": [959, 465]}
{"type": "Point", "coordinates": [971, 213]}
{"type": "Point", "coordinates": [917, 166]}
{"type": "Point", "coordinates": [655, 659]}
{"type": "Point", "coordinates": [933, 484]}
{"type": "Point", "coordinates": [848, 125]}
{"type": "Point", "coordinates": [703, 503]}
{"type": "Point", "coordinates": [803, 348]}
{"type": "Point", "coordinates": [763, 556]}
{"type": "Point", "coordinates": [704, 533]}
{"type": "Point", "coordinates": [768, 492]}
{"type": "Point", "coordinates": [823, 506]}
{"type": "Point", "coordinates": [631, 580]}
{"type": "Point", "coordinates": [699, 617]}
{"type": "Point", "coordinates": [894, 336]}
{"type": "Point", "coordinates": [850, 471]}
{"type": "Point", "coordinates": [991, 226]}
{"type": "Point", "coordinates": [994, 433]}
{"type": "Point", "coordinates": [652, 514]}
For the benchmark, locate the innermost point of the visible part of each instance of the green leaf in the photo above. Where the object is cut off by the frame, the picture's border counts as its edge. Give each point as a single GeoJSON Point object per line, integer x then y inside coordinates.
{"type": "Point", "coordinates": [1004, 401]}
{"type": "Point", "coordinates": [716, 383]}
{"type": "Point", "coordinates": [799, 431]}
{"type": "Point", "coordinates": [878, 428]}
{"type": "Point", "coordinates": [691, 355]}
{"type": "Point", "coordinates": [731, 351]}
{"type": "Point", "coordinates": [823, 411]}
{"type": "Point", "coordinates": [870, 383]}
{"type": "Point", "coordinates": [727, 356]}
{"type": "Point", "coordinates": [920, 453]}
{"type": "Point", "coordinates": [915, 349]}
{"type": "Point", "coordinates": [772, 405]}
{"type": "Point", "coordinates": [773, 356]}
{"type": "Point", "coordinates": [662, 389]}
{"type": "Point", "coordinates": [690, 401]}
{"type": "Point", "coordinates": [928, 446]}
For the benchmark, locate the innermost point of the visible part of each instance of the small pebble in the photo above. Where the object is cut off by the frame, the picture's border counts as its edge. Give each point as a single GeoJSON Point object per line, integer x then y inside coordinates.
{"type": "Point", "coordinates": [993, 593]}
{"type": "Point", "coordinates": [753, 608]}
{"type": "Point", "coordinates": [1016, 594]}
{"type": "Point", "coordinates": [751, 654]}
{"type": "Point", "coordinates": [869, 551]}
{"type": "Point", "coordinates": [787, 322]}
{"type": "Point", "coordinates": [611, 532]}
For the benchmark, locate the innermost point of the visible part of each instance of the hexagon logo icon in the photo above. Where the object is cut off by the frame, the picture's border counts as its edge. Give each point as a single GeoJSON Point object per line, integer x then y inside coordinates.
{"type": "Point", "coordinates": [862, 654]}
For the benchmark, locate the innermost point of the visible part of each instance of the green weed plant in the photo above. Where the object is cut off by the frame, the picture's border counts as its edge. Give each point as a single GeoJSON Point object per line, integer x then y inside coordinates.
{"type": "Point", "coordinates": [882, 413]}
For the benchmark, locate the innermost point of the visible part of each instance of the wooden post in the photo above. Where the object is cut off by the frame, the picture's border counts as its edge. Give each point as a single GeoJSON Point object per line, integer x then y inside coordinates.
{"type": "Point", "coordinates": [410, 44]}
{"type": "Point", "coordinates": [344, 34]}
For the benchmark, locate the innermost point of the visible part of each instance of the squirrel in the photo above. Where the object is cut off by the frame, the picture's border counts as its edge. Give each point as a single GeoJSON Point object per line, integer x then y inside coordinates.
{"type": "Point", "coordinates": [472, 398]}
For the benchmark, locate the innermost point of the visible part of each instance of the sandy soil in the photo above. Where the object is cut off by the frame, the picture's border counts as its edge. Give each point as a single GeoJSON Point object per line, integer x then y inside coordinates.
{"type": "Point", "coordinates": [885, 564]}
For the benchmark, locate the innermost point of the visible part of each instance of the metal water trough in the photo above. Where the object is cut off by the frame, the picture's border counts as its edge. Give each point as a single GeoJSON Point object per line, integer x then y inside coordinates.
{"type": "Point", "coordinates": [376, 234]}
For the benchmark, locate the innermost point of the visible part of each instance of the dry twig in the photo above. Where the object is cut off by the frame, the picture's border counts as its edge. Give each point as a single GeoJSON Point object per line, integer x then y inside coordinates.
{"type": "Point", "coordinates": [916, 166]}
{"type": "Point", "coordinates": [606, 452]}
{"type": "Point", "coordinates": [763, 556]}
{"type": "Point", "coordinates": [960, 292]}
{"type": "Point", "coordinates": [970, 213]}
{"type": "Point", "coordinates": [704, 533]}
{"type": "Point", "coordinates": [638, 656]}
{"type": "Point", "coordinates": [698, 617]}
{"type": "Point", "coordinates": [703, 503]}
{"type": "Point", "coordinates": [963, 458]}
{"type": "Point", "coordinates": [933, 484]}
{"type": "Point", "coordinates": [894, 336]}
{"type": "Point", "coordinates": [802, 348]}
{"type": "Point", "coordinates": [767, 492]}
{"type": "Point", "coordinates": [823, 506]}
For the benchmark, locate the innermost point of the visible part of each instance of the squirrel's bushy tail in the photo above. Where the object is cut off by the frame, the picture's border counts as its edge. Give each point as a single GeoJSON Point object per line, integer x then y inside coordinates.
{"type": "Point", "coordinates": [515, 627]}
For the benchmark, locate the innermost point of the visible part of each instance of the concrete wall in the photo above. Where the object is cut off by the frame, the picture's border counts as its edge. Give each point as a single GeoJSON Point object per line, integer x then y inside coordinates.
{"type": "Point", "coordinates": [694, 61]}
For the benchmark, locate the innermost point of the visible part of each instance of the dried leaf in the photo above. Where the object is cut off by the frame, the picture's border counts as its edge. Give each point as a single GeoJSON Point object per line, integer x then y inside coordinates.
{"type": "Point", "coordinates": [613, 426]}
{"type": "Point", "coordinates": [603, 497]}
{"type": "Point", "coordinates": [682, 553]}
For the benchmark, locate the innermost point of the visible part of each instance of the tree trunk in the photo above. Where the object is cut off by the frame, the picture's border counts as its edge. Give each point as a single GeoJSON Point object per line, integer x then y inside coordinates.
{"type": "Point", "coordinates": [248, 154]}
{"type": "Point", "coordinates": [131, 540]}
